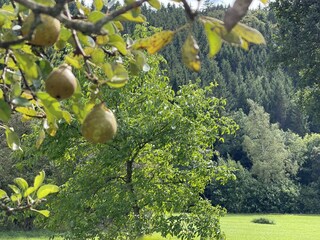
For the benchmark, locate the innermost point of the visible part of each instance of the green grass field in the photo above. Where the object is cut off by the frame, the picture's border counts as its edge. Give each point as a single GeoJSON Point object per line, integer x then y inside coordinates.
{"type": "Point", "coordinates": [236, 227]}
{"type": "Point", "coordinates": [286, 227]}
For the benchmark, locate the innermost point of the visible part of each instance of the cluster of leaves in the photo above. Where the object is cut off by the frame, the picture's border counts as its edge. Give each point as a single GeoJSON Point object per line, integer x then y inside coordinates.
{"type": "Point", "coordinates": [25, 197]}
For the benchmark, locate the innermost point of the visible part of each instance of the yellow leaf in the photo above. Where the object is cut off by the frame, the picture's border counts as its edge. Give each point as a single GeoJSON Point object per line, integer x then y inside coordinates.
{"type": "Point", "coordinates": [154, 43]}
{"type": "Point", "coordinates": [155, 3]}
{"type": "Point", "coordinates": [190, 57]}
{"type": "Point", "coordinates": [40, 138]}
{"type": "Point", "coordinates": [214, 40]}
{"type": "Point", "coordinates": [264, 1]}
{"type": "Point", "coordinates": [128, 16]}
{"type": "Point", "coordinates": [251, 35]}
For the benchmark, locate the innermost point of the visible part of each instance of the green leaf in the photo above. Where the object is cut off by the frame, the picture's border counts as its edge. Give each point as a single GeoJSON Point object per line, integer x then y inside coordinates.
{"type": "Point", "coordinates": [16, 197]}
{"type": "Point", "coordinates": [155, 3]}
{"type": "Point", "coordinates": [98, 55]}
{"type": "Point", "coordinates": [29, 191]}
{"type": "Point", "coordinates": [3, 194]}
{"type": "Point", "coordinates": [13, 140]}
{"type": "Point", "coordinates": [27, 63]}
{"type": "Point", "coordinates": [45, 213]}
{"type": "Point", "coordinates": [129, 16]}
{"type": "Point", "coordinates": [118, 42]}
{"type": "Point", "coordinates": [73, 62]}
{"type": "Point", "coordinates": [22, 183]}
{"type": "Point", "coordinates": [47, 189]}
{"type": "Point", "coordinates": [66, 116]}
{"type": "Point", "coordinates": [20, 101]}
{"type": "Point", "coordinates": [95, 16]}
{"type": "Point", "coordinates": [38, 180]}
{"type": "Point", "coordinates": [108, 71]}
{"type": "Point", "coordinates": [98, 4]}
{"type": "Point", "coordinates": [40, 138]}
{"type": "Point", "coordinates": [14, 188]}
{"type": "Point", "coordinates": [5, 111]}
{"type": "Point", "coordinates": [65, 34]}
{"type": "Point", "coordinates": [214, 40]}
{"type": "Point", "coordinates": [120, 77]}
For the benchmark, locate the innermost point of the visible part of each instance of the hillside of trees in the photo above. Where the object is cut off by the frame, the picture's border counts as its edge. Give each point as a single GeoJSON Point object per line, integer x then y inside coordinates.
{"type": "Point", "coordinates": [242, 135]}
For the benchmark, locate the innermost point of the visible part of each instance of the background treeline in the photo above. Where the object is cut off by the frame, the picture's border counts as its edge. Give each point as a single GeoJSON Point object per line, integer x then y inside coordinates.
{"type": "Point", "coordinates": [276, 150]}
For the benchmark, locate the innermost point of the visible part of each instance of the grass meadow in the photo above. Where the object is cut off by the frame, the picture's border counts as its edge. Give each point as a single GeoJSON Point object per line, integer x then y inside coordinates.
{"type": "Point", "coordinates": [236, 227]}
{"type": "Point", "coordinates": [285, 227]}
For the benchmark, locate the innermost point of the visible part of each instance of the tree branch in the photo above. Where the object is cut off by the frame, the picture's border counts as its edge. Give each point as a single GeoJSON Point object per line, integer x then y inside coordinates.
{"type": "Point", "coordinates": [79, 25]}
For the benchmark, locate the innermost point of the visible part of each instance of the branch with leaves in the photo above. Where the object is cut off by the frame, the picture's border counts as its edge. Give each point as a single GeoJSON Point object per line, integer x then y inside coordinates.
{"type": "Point", "coordinates": [25, 197]}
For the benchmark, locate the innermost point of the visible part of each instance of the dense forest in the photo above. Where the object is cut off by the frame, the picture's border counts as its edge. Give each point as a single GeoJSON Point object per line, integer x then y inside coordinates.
{"type": "Point", "coordinates": [258, 110]}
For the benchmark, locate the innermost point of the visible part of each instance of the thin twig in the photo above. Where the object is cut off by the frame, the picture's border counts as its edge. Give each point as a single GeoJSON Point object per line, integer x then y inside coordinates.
{"type": "Point", "coordinates": [24, 79]}
{"type": "Point", "coordinates": [3, 75]}
{"type": "Point", "coordinates": [79, 49]}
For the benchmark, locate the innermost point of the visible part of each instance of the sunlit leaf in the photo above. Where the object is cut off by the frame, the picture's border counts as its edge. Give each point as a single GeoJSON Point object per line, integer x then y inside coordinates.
{"type": "Point", "coordinates": [73, 61]}
{"type": "Point", "coordinates": [118, 42]}
{"type": "Point", "coordinates": [16, 197]}
{"type": "Point", "coordinates": [13, 140]}
{"type": "Point", "coordinates": [5, 111]}
{"type": "Point", "coordinates": [29, 191]}
{"type": "Point", "coordinates": [251, 35]}
{"type": "Point", "coordinates": [214, 40]}
{"type": "Point", "coordinates": [98, 55]}
{"type": "Point", "coordinates": [102, 40]}
{"type": "Point", "coordinates": [107, 68]}
{"type": "Point", "coordinates": [264, 1]}
{"type": "Point", "coordinates": [45, 213]}
{"type": "Point", "coordinates": [47, 189]}
{"type": "Point", "coordinates": [120, 77]}
{"type": "Point", "coordinates": [14, 188]}
{"type": "Point", "coordinates": [190, 51]}
{"type": "Point", "coordinates": [154, 43]}
{"type": "Point", "coordinates": [98, 4]}
{"type": "Point", "coordinates": [66, 116]}
{"type": "Point", "coordinates": [27, 63]}
{"type": "Point", "coordinates": [38, 180]}
{"type": "Point", "coordinates": [129, 16]}
{"type": "Point", "coordinates": [155, 3]}
{"type": "Point", "coordinates": [41, 137]}
{"type": "Point", "coordinates": [22, 183]}
{"type": "Point", "coordinates": [30, 112]}
{"type": "Point", "coordinates": [95, 16]}
{"type": "Point", "coordinates": [3, 194]}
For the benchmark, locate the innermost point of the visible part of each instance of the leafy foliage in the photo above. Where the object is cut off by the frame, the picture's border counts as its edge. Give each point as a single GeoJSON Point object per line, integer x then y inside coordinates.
{"type": "Point", "coordinates": [25, 197]}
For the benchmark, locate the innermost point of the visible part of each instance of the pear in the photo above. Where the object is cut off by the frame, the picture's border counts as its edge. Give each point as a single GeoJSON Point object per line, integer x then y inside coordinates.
{"type": "Point", "coordinates": [46, 33]}
{"type": "Point", "coordinates": [100, 125]}
{"type": "Point", "coordinates": [61, 83]}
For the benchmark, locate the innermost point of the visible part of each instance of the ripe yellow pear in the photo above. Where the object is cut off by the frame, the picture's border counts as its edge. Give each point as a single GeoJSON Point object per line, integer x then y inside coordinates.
{"type": "Point", "coordinates": [46, 33]}
{"type": "Point", "coordinates": [61, 83]}
{"type": "Point", "coordinates": [100, 125]}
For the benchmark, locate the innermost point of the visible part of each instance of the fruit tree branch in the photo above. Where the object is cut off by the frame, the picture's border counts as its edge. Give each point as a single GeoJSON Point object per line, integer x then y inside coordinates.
{"type": "Point", "coordinates": [79, 25]}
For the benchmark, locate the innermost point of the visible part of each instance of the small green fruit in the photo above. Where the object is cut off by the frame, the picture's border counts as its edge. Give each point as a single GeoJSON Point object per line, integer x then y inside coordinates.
{"type": "Point", "coordinates": [100, 125]}
{"type": "Point", "coordinates": [61, 83]}
{"type": "Point", "coordinates": [46, 33]}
